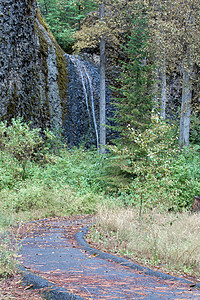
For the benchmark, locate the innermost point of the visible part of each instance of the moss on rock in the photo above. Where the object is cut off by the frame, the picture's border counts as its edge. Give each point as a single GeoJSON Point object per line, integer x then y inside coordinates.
{"type": "Point", "coordinates": [63, 76]}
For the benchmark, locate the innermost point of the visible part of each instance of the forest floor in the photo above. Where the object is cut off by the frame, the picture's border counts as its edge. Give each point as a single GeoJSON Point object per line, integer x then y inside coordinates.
{"type": "Point", "coordinates": [49, 249]}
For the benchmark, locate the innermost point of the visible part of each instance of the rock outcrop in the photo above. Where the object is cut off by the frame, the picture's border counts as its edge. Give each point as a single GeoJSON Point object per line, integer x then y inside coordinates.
{"type": "Point", "coordinates": [33, 68]}
{"type": "Point", "coordinates": [42, 84]}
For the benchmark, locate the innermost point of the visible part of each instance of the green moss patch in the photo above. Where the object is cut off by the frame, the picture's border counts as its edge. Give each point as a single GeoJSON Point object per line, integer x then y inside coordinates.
{"type": "Point", "coordinates": [63, 76]}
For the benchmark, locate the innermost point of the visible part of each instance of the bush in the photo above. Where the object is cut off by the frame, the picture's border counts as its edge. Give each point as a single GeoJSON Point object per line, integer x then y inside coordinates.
{"type": "Point", "coordinates": [162, 174]}
{"type": "Point", "coordinates": [195, 129]}
{"type": "Point", "coordinates": [20, 141]}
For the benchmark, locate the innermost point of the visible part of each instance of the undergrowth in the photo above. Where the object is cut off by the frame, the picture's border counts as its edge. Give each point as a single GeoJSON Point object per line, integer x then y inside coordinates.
{"type": "Point", "coordinates": [8, 247]}
{"type": "Point", "coordinates": [41, 177]}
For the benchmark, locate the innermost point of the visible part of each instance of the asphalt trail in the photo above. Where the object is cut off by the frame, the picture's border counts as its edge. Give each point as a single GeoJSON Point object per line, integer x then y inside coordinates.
{"type": "Point", "coordinates": [49, 249]}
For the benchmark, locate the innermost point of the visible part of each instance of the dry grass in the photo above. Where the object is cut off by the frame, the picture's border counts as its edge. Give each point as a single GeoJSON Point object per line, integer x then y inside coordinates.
{"type": "Point", "coordinates": [169, 240]}
{"type": "Point", "coordinates": [8, 253]}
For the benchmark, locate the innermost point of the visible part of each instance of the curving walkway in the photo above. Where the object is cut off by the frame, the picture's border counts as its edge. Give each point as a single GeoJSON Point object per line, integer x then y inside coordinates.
{"type": "Point", "coordinates": [69, 269]}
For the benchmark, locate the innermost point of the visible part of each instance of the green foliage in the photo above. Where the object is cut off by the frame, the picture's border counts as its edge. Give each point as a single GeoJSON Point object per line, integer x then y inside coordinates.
{"type": "Point", "coordinates": [134, 104]}
{"type": "Point", "coordinates": [152, 173]}
{"type": "Point", "coordinates": [20, 141]}
{"type": "Point", "coordinates": [22, 145]}
{"type": "Point", "coordinates": [64, 18]}
{"type": "Point", "coordinates": [39, 174]}
{"type": "Point", "coordinates": [185, 176]}
{"type": "Point", "coordinates": [153, 149]}
{"type": "Point", "coordinates": [195, 129]}
{"type": "Point", "coordinates": [162, 175]}
{"type": "Point", "coordinates": [61, 30]}
{"type": "Point", "coordinates": [53, 141]}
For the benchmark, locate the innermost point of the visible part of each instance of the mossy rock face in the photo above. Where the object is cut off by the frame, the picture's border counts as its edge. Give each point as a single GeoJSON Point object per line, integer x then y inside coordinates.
{"type": "Point", "coordinates": [33, 68]}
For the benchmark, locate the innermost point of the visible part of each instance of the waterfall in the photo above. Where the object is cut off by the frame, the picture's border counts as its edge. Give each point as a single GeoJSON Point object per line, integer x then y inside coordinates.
{"type": "Point", "coordinates": [88, 91]}
{"type": "Point", "coordinates": [92, 105]}
{"type": "Point", "coordinates": [83, 81]}
{"type": "Point", "coordinates": [81, 122]}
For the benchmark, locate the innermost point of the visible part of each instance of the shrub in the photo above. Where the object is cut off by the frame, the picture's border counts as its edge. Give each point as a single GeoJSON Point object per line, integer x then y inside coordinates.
{"type": "Point", "coordinates": [20, 141]}
{"type": "Point", "coordinates": [162, 174]}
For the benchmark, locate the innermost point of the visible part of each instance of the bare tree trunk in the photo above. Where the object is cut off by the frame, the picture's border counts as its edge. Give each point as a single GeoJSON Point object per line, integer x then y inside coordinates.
{"type": "Point", "coordinates": [102, 104]}
{"type": "Point", "coordinates": [185, 109]}
{"type": "Point", "coordinates": [196, 204]}
{"type": "Point", "coordinates": [161, 69]}
{"type": "Point", "coordinates": [156, 89]}
{"type": "Point", "coordinates": [46, 7]}
{"type": "Point", "coordinates": [163, 99]}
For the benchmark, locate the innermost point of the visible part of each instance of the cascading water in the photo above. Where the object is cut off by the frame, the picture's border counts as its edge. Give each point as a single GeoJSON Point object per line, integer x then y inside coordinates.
{"type": "Point", "coordinates": [88, 92]}
{"type": "Point", "coordinates": [83, 103]}
{"type": "Point", "coordinates": [92, 105]}
{"type": "Point", "coordinates": [79, 66]}
{"type": "Point", "coordinates": [82, 119]}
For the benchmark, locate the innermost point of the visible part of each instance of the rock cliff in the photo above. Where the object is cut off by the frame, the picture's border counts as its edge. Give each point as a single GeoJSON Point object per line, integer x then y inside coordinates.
{"type": "Point", "coordinates": [33, 68]}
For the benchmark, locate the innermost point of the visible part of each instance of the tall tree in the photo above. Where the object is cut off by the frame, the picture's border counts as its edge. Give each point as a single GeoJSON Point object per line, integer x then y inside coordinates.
{"type": "Point", "coordinates": [181, 37]}
{"type": "Point", "coordinates": [102, 104]}
{"type": "Point", "coordinates": [64, 18]}
{"type": "Point", "coordinates": [135, 101]}
{"type": "Point", "coordinates": [175, 43]}
{"type": "Point", "coordinates": [159, 44]}
{"type": "Point", "coordinates": [185, 16]}
{"type": "Point", "coordinates": [99, 32]}
{"type": "Point", "coordinates": [95, 36]}
{"type": "Point", "coordinates": [185, 108]}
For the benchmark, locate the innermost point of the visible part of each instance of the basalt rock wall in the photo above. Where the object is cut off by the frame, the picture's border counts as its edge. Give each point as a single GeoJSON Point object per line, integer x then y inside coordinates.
{"type": "Point", "coordinates": [33, 68]}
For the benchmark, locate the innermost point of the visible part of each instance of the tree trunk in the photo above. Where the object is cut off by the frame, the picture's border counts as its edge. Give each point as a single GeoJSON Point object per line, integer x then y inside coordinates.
{"type": "Point", "coordinates": [196, 204]}
{"type": "Point", "coordinates": [156, 89]}
{"type": "Point", "coordinates": [163, 99]}
{"type": "Point", "coordinates": [185, 109]}
{"type": "Point", "coordinates": [102, 104]}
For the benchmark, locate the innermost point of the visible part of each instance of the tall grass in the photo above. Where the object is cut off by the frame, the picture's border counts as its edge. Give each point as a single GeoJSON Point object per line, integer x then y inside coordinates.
{"type": "Point", "coordinates": [8, 247]}
{"type": "Point", "coordinates": [170, 240]}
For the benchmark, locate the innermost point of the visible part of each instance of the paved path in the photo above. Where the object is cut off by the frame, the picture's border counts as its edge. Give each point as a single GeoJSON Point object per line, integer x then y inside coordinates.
{"type": "Point", "coordinates": [50, 250]}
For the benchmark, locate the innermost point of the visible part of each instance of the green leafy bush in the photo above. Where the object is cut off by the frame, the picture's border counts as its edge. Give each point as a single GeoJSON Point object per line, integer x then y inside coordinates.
{"type": "Point", "coordinates": [162, 174]}
{"type": "Point", "coordinates": [195, 129]}
{"type": "Point", "coordinates": [20, 141]}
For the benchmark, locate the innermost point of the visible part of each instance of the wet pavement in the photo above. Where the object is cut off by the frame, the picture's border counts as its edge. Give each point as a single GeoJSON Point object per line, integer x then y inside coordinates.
{"type": "Point", "coordinates": [49, 249]}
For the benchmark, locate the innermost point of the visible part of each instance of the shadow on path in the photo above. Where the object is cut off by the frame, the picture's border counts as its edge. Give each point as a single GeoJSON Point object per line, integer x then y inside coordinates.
{"type": "Point", "coordinates": [69, 269]}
